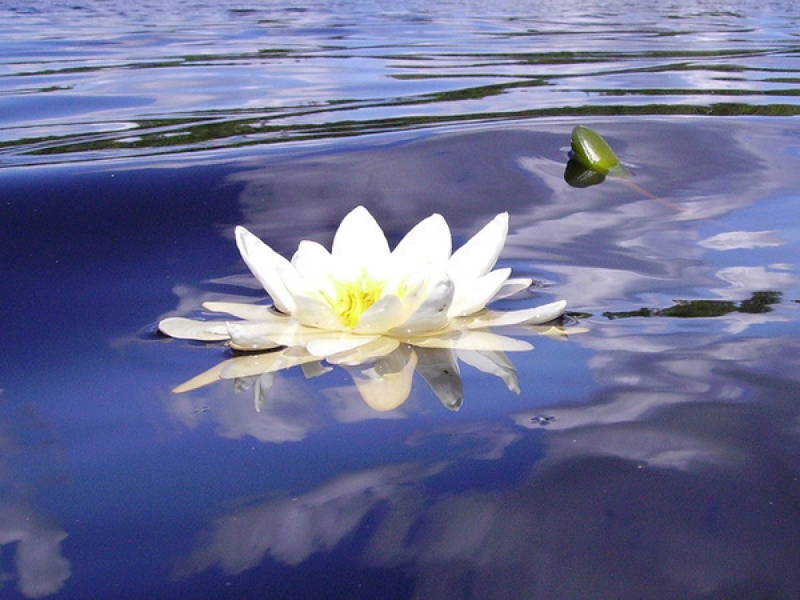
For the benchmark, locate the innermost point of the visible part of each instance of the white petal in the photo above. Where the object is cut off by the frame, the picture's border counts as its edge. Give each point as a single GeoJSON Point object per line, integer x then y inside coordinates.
{"type": "Point", "coordinates": [431, 315]}
{"type": "Point", "coordinates": [376, 348]}
{"type": "Point", "coordinates": [359, 240]}
{"type": "Point", "coordinates": [336, 342]}
{"type": "Point", "coordinates": [189, 329]}
{"type": "Point", "coordinates": [494, 363]}
{"type": "Point", "coordinates": [249, 312]}
{"type": "Point", "coordinates": [548, 312]}
{"type": "Point", "coordinates": [266, 265]}
{"type": "Point", "coordinates": [314, 264]}
{"type": "Point", "coordinates": [252, 335]}
{"type": "Point", "coordinates": [512, 286]}
{"type": "Point", "coordinates": [499, 318]}
{"type": "Point", "coordinates": [473, 296]}
{"type": "Point", "coordinates": [480, 253]}
{"type": "Point", "coordinates": [429, 242]}
{"type": "Point", "coordinates": [385, 314]}
{"type": "Point", "coordinates": [313, 312]}
{"type": "Point", "coordinates": [470, 340]}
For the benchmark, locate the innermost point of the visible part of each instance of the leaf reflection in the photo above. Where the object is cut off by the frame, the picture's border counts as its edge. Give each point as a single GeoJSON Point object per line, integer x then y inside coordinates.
{"type": "Point", "coordinates": [757, 303]}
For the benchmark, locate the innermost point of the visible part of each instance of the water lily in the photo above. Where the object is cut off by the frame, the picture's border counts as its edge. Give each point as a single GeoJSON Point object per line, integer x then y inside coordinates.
{"type": "Point", "coordinates": [362, 304]}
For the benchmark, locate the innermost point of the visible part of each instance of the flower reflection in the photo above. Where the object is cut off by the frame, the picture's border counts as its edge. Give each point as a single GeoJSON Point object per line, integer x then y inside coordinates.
{"type": "Point", "coordinates": [380, 314]}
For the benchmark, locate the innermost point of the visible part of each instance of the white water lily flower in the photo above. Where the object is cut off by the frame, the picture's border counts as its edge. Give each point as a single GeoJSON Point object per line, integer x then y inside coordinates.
{"type": "Point", "coordinates": [361, 301]}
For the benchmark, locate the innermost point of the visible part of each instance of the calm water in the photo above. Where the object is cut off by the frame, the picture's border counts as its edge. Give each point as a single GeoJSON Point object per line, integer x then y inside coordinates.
{"type": "Point", "coordinates": [654, 452]}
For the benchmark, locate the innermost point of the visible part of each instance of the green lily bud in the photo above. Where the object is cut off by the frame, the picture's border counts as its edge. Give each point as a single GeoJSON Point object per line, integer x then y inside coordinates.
{"type": "Point", "coordinates": [592, 151]}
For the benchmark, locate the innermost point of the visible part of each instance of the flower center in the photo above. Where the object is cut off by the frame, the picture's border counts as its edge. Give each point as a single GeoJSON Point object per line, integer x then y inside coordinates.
{"type": "Point", "coordinates": [354, 297]}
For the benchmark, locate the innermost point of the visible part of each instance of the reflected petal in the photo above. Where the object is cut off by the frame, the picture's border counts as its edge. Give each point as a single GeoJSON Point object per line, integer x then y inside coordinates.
{"type": "Point", "coordinates": [315, 369]}
{"type": "Point", "coordinates": [203, 379]}
{"type": "Point", "coordinates": [266, 265]}
{"type": "Point", "coordinates": [556, 332]}
{"type": "Point", "coordinates": [387, 384]}
{"type": "Point", "coordinates": [261, 390]}
{"type": "Point", "coordinates": [265, 362]}
{"type": "Point", "coordinates": [439, 367]}
{"type": "Point", "coordinates": [494, 363]}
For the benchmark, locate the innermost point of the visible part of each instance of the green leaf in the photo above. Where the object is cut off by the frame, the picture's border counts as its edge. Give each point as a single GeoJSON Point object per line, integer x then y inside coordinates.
{"type": "Point", "coordinates": [592, 151]}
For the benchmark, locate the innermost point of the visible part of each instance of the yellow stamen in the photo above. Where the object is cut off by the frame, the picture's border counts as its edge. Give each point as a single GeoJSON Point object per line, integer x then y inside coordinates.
{"type": "Point", "coordinates": [353, 298]}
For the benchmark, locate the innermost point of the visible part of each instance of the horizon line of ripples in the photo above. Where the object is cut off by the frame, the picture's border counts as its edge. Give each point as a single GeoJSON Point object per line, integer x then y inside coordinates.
{"type": "Point", "coordinates": [91, 80]}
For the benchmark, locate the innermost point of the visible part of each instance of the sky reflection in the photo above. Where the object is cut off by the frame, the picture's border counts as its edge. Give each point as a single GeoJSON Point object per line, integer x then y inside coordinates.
{"type": "Point", "coordinates": [673, 473]}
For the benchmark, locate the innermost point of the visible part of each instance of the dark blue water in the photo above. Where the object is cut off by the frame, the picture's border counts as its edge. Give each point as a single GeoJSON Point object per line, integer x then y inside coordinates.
{"type": "Point", "coordinates": [653, 452]}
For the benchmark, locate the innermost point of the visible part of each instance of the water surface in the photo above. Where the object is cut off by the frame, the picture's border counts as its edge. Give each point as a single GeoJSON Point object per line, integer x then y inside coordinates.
{"type": "Point", "coordinates": [653, 452]}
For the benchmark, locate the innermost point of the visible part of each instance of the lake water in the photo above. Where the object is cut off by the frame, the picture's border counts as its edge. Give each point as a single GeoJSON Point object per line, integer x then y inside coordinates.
{"type": "Point", "coordinates": [650, 450]}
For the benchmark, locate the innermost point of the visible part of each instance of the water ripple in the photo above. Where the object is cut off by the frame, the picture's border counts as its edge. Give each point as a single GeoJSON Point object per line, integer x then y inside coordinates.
{"type": "Point", "coordinates": [98, 79]}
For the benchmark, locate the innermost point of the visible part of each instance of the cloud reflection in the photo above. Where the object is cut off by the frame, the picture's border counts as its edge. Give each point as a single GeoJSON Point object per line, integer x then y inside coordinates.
{"type": "Point", "coordinates": [652, 506]}
{"type": "Point", "coordinates": [733, 240]}
{"type": "Point", "coordinates": [40, 567]}
{"type": "Point", "coordinates": [289, 416]}
{"type": "Point", "coordinates": [291, 529]}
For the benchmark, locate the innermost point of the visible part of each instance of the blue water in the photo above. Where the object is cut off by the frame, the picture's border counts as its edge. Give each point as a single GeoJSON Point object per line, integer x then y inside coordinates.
{"type": "Point", "coordinates": [652, 453]}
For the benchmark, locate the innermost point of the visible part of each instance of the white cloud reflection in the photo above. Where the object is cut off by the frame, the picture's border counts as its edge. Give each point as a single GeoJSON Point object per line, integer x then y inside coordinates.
{"type": "Point", "coordinates": [291, 529]}
{"type": "Point", "coordinates": [290, 415]}
{"type": "Point", "coordinates": [744, 280]}
{"type": "Point", "coordinates": [733, 240]}
{"type": "Point", "coordinates": [40, 568]}
{"type": "Point", "coordinates": [646, 504]}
